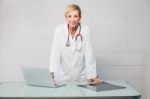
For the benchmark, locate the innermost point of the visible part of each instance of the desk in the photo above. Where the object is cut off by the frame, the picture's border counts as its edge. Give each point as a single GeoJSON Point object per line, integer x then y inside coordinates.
{"type": "Point", "coordinates": [21, 90]}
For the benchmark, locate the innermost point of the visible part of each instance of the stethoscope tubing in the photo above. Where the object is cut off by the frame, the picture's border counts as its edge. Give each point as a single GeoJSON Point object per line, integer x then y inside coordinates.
{"type": "Point", "coordinates": [76, 38]}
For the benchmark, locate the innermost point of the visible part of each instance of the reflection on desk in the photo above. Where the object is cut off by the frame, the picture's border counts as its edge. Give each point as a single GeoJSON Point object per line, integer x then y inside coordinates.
{"type": "Point", "coordinates": [71, 90]}
{"type": "Point", "coordinates": [1, 82]}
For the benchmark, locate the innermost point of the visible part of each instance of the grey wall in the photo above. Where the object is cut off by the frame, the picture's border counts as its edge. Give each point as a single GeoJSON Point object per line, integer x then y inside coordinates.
{"type": "Point", "coordinates": [121, 36]}
{"type": "Point", "coordinates": [146, 87]}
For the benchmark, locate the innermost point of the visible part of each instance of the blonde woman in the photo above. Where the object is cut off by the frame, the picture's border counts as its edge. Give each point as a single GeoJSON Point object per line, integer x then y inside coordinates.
{"type": "Point", "coordinates": [72, 57]}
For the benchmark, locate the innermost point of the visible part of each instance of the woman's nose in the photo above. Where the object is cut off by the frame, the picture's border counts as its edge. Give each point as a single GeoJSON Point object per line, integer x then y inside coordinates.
{"type": "Point", "coordinates": [72, 19]}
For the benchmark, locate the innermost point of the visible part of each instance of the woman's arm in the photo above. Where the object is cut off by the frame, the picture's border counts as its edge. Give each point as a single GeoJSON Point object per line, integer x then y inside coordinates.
{"type": "Point", "coordinates": [90, 61]}
{"type": "Point", "coordinates": [55, 54]}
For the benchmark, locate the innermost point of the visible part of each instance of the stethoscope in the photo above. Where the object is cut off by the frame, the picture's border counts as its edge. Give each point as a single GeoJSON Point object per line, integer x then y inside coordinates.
{"type": "Point", "coordinates": [76, 38]}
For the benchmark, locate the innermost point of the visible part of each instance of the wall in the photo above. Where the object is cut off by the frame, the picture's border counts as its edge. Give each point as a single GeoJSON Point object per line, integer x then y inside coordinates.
{"type": "Point", "coordinates": [147, 77]}
{"type": "Point", "coordinates": [121, 36]}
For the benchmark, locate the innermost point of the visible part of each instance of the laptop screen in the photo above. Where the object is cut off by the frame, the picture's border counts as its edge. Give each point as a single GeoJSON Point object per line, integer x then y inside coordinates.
{"type": "Point", "coordinates": [39, 77]}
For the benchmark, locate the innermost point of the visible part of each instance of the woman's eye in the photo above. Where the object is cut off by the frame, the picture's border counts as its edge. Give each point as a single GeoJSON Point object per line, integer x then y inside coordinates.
{"type": "Point", "coordinates": [69, 16]}
{"type": "Point", "coordinates": [76, 16]}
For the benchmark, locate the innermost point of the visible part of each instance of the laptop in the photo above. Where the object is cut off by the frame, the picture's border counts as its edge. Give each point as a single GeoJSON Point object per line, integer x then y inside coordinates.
{"type": "Point", "coordinates": [40, 77]}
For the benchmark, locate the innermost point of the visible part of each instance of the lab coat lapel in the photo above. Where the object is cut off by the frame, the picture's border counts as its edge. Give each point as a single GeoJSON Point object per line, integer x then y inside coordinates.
{"type": "Point", "coordinates": [73, 42]}
{"type": "Point", "coordinates": [66, 30]}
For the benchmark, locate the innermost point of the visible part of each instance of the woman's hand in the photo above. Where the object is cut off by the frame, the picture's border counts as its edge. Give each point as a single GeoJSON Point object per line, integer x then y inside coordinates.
{"type": "Point", "coordinates": [52, 76]}
{"type": "Point", "coordinates": [95, 81]}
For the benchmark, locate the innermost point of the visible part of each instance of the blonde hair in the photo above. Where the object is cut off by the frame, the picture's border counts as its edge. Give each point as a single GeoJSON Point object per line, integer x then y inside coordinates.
{"type": "Point", "coordinates": [72, 7]}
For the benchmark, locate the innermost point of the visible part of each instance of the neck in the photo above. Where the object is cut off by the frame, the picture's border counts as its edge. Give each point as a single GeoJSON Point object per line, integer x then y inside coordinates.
{"type": "Point", "coordinates": [72, 30]}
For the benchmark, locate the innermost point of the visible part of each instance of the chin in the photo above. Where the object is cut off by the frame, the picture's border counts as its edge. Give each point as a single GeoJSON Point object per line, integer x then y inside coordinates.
{"type": "Point", "coordinates": [73, 25]}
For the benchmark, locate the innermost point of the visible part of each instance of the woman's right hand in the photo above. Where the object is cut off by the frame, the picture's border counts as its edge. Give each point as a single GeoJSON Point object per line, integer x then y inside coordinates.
{"type": "Point", "coordinates": [52, 75]}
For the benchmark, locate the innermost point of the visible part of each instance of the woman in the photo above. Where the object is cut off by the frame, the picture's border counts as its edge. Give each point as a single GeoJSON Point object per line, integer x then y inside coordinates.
{"type": "Point", "coordinates": [72, 57]}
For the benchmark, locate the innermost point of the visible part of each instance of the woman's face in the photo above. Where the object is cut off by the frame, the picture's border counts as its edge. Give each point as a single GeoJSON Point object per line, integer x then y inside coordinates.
{"type": "Point", "coordinates": [73, 18]}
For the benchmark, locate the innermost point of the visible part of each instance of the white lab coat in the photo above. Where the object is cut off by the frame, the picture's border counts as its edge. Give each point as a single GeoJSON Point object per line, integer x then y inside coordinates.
{"type": "Point", "coordinates": [75, 62]}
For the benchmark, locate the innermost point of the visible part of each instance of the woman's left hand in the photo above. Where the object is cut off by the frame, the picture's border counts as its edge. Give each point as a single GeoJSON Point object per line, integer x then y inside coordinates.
{"type": "Point", "coordinates": [95, 81]}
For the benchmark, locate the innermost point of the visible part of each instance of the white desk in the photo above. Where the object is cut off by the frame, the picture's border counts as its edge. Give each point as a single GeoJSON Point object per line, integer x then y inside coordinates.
{"type": "Point", "coordinates": [21, 90]}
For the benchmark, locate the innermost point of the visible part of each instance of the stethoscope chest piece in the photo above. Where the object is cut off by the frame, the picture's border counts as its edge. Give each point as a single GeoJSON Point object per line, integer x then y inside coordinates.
{"type": "Point", "coordinates": [67, 44]}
